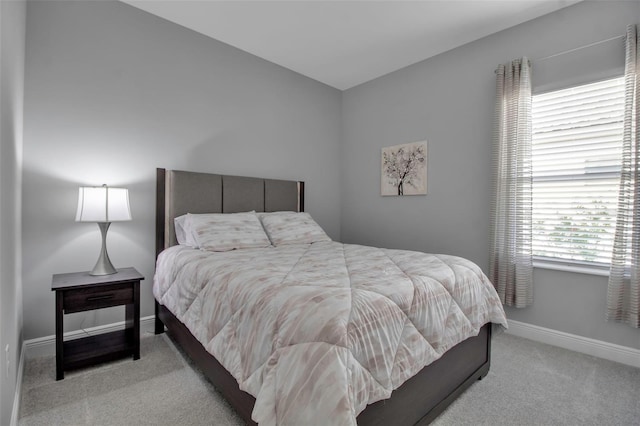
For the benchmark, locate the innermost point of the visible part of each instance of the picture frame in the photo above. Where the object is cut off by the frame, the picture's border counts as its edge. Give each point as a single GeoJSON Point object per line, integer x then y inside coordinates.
{"type": "Point", "coordinates": [403, 169]}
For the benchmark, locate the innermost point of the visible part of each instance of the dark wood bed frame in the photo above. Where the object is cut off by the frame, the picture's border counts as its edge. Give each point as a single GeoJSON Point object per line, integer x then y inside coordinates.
{"type": "Point", "coordinates": [418, 401]}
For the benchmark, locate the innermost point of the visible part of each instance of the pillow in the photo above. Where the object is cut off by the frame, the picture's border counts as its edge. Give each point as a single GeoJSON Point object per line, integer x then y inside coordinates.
{"type": "Point", "coordinates": [282, 213]}
{"type": "Point", "coordinates": [183, 232]}
{"type": "Point", "coordinates": [292, 228]}
{"type": "Point", "coordinates": [227, 231]}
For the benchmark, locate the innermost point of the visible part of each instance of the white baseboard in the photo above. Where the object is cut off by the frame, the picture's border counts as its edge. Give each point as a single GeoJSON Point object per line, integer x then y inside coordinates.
{"type": "Point", "coordinates": [46, 346]}
{"type": "Point", "coordinates": [15, 412]}
{"type": "Point", "coordinates": [585, 345]}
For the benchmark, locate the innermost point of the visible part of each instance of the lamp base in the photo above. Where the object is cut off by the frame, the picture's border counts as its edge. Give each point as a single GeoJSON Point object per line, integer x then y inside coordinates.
{"type": "Point", "coordinates": [103, 265]}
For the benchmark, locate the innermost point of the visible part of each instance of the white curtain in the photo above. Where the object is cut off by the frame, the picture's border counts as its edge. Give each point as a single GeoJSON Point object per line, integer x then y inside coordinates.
{"type": "Point", "coordinates": [623, 294]}
{"type": "Point", "coordinates": [510, 267]}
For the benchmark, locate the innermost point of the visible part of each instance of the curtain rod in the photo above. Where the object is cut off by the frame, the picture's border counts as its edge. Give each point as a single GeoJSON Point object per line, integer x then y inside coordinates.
{"type": "Point", "coordinates": [579, 48]}
{"type": "Point", "coordinates": [595, 43]}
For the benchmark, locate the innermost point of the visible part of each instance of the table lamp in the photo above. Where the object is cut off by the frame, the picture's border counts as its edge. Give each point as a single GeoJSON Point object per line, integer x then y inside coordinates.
{"type": "Point", "coordinates": [103, 204]}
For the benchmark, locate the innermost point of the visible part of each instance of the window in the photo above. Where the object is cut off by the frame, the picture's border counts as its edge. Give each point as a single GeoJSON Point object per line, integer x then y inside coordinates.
{"type": "Point", "coordinates": [576, 149]}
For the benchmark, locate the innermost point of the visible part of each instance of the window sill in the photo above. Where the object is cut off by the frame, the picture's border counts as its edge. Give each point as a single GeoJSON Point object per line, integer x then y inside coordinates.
{"type": "Point", "coordinates": [570, 267]}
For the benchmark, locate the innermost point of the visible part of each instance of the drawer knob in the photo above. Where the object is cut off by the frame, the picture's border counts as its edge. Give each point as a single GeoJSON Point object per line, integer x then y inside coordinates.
{"type": "Point", "coordinates": [103, 297]}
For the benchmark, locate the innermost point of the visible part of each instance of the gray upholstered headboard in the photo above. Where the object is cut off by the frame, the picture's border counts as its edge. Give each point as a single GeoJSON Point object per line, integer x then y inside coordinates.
{"type": "Point", "coordinates": [179, 192]}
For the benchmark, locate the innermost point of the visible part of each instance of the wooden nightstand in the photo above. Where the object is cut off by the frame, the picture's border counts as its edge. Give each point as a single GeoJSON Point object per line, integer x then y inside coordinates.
{"type": "Point", "coordinates": [77, 292]}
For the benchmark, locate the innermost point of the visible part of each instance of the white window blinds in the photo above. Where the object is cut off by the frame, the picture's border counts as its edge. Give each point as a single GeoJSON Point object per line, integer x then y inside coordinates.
{"type": "Point", "coordinates": [576, 149]}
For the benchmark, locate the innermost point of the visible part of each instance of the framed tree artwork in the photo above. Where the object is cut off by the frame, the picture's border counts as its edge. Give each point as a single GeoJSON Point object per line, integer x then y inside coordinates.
{"type": "Point", "coordinates": [404, 169]}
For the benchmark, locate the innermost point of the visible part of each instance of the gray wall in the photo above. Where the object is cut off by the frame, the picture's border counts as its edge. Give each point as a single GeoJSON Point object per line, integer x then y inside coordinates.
{"type": "Point", "coordinates": [12, 50]}
{"type": "Point", "coordinates": [448, 100]}
{"type": "Point", "coordinates": [111, 93]}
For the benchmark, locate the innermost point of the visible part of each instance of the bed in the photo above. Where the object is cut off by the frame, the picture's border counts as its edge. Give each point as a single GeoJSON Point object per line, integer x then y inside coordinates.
{"type": "Point", "coordinates": [418, 399]}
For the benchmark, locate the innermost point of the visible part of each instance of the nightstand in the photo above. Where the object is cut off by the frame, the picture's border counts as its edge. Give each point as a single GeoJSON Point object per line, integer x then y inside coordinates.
{"type": "Point", "coordinates": [79, 291]}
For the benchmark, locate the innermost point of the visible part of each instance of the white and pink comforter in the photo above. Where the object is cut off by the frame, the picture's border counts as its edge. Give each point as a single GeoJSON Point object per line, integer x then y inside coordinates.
{"type": "Point", "coordinates": [316, 332]}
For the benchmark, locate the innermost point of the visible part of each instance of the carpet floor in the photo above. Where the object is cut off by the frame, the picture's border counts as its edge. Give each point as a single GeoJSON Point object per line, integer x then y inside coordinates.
{"type": "Point", "coordinates": [529, 384]}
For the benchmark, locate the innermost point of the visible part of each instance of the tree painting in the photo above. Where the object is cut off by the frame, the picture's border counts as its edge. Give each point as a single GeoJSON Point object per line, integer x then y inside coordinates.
{"type": "Point", "coordinates": [404, 169]}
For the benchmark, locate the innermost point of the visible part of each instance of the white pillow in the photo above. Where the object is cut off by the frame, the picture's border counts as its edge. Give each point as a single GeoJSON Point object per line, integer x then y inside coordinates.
{"type": "Point", "coordinates": [262, 215]}
{"type": "Point", "coordinates": [292, 228]}
{"type": "Point", "coordinates": [227, 231]}
{"type": "Point", "coordinates": [184, 235]}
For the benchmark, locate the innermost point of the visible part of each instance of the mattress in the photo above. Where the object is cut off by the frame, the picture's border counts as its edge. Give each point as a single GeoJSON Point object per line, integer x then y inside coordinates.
{"type": "Point", "coordinates": [315, 332]}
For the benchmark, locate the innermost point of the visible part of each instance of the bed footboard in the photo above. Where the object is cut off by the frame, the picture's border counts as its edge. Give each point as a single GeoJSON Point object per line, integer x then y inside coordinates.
{"type": "Point", "coordinates": [417, 402]}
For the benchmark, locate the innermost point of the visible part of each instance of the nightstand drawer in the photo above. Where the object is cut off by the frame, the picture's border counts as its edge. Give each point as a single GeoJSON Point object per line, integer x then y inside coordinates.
{"type": "Point", "coordinates": [85, 299]}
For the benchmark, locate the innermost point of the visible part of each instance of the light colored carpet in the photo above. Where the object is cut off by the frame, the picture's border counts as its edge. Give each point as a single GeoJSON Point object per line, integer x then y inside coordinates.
{"type": "Point", "coordinates": [161, 388]}
{"type": "Point", "coordinates": [529, 384]}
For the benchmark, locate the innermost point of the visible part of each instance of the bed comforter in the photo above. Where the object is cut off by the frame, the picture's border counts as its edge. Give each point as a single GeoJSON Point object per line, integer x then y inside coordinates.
{"type": "Point", "coordinates": [316, 332]}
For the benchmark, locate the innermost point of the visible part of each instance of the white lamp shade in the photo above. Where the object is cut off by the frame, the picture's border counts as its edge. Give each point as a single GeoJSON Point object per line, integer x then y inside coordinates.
{"type": "Point", "coordinates": [103, 204]}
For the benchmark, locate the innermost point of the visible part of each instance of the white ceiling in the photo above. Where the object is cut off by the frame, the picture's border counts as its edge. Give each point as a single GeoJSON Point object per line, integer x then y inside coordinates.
{"type": "Point", "coordinates": [346, 43]}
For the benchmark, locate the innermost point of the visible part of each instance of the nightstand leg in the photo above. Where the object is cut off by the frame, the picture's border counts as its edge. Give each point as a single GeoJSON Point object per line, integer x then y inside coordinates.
{"type": "Point", "coordinates": [132, 321]}
{"type": "Point", "coordinates": [59, 337]}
